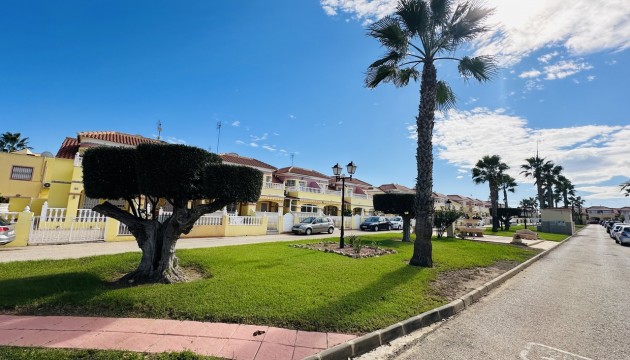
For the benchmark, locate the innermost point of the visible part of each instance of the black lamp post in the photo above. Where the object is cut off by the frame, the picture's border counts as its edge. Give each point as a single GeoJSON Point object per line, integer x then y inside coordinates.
{"type": "Point", "coordinates": [448, 204]}
{"type": "Point", "coordinates": [351, 168]}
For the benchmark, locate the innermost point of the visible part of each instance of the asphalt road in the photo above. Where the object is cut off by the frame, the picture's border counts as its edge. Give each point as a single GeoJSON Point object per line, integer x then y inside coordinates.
{"type": "Point", "coordinates": [572, 304]}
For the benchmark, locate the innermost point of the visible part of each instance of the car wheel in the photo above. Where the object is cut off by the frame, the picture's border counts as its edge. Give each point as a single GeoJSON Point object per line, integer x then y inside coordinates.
{"type": "Point", "coordinates": [330, 230]}
{"type": "Point", "coordinates": [389, 227]}
{"type": "Point", "coordinates": [308, 231]}
{"type": "Point", "coordinates": [376, 228]}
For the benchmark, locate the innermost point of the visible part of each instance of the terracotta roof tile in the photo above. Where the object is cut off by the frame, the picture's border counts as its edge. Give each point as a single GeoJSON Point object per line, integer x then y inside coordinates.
{"type": "Point", "coordinates": [117, 137]}
{"type": "Point", "coordinates": [395, 188]}
{"type": "Point", "coordinates": [69, 147]}
{"type": "Point", "coordinates": [241, 160]}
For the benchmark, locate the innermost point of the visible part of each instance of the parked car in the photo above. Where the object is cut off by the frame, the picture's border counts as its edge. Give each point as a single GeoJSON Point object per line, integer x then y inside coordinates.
{"type": "Point", "coordinates": [314, 224]}
{"type": "Point", "coordinates": [623, 237]}
{"type": "Point", "coordinates": [7, 232]}
{"type": "Point", "coordinates": [397, 222]}
{"type": "Point", "coordinates": [376, 223]}
{"type": "Point", "coordinates": [615, 230]}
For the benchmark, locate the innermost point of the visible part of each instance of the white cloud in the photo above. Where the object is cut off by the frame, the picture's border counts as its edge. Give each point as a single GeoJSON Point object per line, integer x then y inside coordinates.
{"type": "Point", "coordinates": [520, 28]}
{"type": "Point", "coordinates": [590, 155]}
{"type": "Point", "coordinates": [259, 138]}
{"type": "Point", "coordinates": [545, 58]}
{"type": "Point", "coordinates": [530, 74]}
{"type": "Point", "coordinates": [532, 85]}
{"type": "Point", "coordinates": [590, 77]}
{"type": "Point", "coordinates": [600, 192]}
{"type": "Point", "coordinates": [270, 148]}
{"type": "Point", "coordinates": [292, 117]}
{"type": "Point", "coordinates": [562, 69]}
{"type": "Point", "coordinates": [253, 144]}
{"type": "Point", "coordinates": [460, 177]}
{"type": "Point", "coordinates": [240, 142]}
{"type": "Point", "coordinates": [174, 140]}
{"type": "Point", "coordinates": [236, 123]}
{"type": "Point", "coordinates": [610, 62]}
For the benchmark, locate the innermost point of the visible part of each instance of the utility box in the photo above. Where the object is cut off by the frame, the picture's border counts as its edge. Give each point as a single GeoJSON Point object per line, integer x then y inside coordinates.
{"type": "Point", "coordinates": [557, 221]}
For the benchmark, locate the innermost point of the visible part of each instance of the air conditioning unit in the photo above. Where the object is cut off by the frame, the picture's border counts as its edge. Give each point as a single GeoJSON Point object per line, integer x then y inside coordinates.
{"type": "Point", "coordinates": [46, 185]}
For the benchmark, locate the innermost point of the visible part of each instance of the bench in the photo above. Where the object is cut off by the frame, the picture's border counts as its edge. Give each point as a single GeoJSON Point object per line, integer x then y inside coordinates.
{"type": "Point", "coordinates": [470, 231]}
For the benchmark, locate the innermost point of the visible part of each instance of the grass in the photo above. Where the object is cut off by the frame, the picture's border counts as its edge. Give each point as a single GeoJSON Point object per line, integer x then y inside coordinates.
{"type": "Point", "coordinates": [21, 353]}
{"type": "Point", "coordinates": [271, 284]}
{"type": "Point", "coordinates": [541, 235]}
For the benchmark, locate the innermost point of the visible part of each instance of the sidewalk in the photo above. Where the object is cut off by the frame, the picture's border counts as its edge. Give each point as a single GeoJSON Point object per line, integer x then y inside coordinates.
{"type": "Point", "coordinates": [231, 341]}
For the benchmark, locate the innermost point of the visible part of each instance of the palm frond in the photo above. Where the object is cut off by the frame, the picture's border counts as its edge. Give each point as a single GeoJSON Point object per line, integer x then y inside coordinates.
{"type": "Point", "coordinates": [415, 14]}
{"type": "Point", "coordinates": [390, 34]}
{"type": "Point", "coordinates": [482, 68]}
{"type": "Point", "coordinates": [444, 96]}
{"type": "Point", "coordinates": [440, 11]}
{"type": "Point", "coordinates": [392, 58]}
{"type": "Point", "coordinates": [379, 74]}
{"type": "Point", "coordinates": [468, 22]}
{"type": "Point", "coordinates": [404, 75]}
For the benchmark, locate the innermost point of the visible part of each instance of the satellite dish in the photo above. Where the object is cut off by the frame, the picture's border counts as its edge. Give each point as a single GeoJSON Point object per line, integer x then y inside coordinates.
{"type": "Point", "coordinates": [47, 154]}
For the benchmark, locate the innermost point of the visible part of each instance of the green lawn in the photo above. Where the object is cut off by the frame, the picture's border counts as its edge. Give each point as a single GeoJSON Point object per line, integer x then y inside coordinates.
{"type": "Point", "coordinates": [21, 353]}
{"type": "Point", "coordinates": [271, 284]}
{"type": "Point", "coordinates": [541, 235]}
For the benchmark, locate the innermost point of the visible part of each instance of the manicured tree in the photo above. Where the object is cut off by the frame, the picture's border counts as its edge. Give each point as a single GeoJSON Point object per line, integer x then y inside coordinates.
{"type": "Point", "coordinates": [419, 33]}
{"type": "Point", "coordinates": [10, 142]}
{"type": "Point", "coordinates": [529, 206]}
{"type": "Point", "coordinates": [534, 169]}
{"type": "Point", "coordinates": [506, 214]}
{"type": "Point", "coordinates": [442, 219]}
{"type": "Point", "coordinates": [490, 169]}
{"type": "Point", "coordinates": [182, 176]}
{"type": "Point", "coordinates": [399, 204]}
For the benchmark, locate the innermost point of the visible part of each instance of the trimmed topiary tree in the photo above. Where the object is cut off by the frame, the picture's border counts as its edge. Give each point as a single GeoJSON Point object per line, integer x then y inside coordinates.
{"type": "Point", "coordinates": [505, 215]}
{"type": "Point", "coordinates": [192, 180]}
{"type": "Point", "coordinates": [399, 204]}
{"type": "Point", "coordinates": [442, 219]}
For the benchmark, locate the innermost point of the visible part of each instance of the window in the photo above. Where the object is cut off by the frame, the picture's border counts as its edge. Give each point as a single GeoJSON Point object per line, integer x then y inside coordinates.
{"type": "Point", "coordinates": [309, 208]}
{"type": "Point", "coordinates": [22, 173]}
{"type": "Point", "coordinates": [290, 183]}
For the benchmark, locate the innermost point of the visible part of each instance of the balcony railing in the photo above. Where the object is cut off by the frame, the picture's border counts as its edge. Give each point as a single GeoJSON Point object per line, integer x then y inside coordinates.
{"type": "Point", "coordinates": [273, 186]}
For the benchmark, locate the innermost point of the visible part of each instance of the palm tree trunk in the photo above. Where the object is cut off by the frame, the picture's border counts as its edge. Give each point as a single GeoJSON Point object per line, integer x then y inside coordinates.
{"type": "Point", "coordinates": [494, 201]}
{"type": "Point", "coordinates": [422, 247]}
{"type": "Point", "coordinates": [541, 196]}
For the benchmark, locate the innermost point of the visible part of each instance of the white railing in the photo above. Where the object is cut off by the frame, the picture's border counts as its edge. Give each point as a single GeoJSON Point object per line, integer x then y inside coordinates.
{"type": "Point", "coordinates": [359, 196]}
{"type": "Point", "coordinates": [275, 186]}
{"type": "Point", "coordinates": [53, 214]}
{"type": "Point", "coordinates": [123, 229]}
{"type": "Point", "coordinates": [87, 215]}
{"type": "Point", "coordinates": [302, 215]}
{"type": "Point", "coordinates": [244, 220]}
{"type": "Point", "coordinates": [9, 216]}
{"type": "Point", "coordinates": [209, 220]}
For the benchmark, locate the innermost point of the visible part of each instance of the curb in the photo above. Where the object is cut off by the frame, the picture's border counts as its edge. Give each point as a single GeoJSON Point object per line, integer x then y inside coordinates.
{"type": "Point", "coordinates": [375, 339]}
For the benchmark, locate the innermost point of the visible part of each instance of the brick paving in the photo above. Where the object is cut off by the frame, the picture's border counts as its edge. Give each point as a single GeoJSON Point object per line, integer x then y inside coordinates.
{"type": "Point", "coordinates": [231, 341]}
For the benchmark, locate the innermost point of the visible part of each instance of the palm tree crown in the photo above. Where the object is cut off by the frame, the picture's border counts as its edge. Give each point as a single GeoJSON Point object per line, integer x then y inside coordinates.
{"type": "Point", "coordinates": [419, 33]}
{"type": "Point", "coordinates": [535, 168]}
{"type": "Point", "coordinates": [490, 169]}
{"type": "Point", "coordinates": [10, 142]}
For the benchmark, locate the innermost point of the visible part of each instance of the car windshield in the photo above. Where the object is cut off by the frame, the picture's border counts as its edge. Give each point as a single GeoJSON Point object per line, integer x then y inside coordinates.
{"type": "Point", "coordinates": [4, 222]}
{"type": "Point", "coordinates": [308, 220]}
{"type": "Point", "coordinates": [372, 219]}
{"type": "Point", "coordinates": [397, 219]}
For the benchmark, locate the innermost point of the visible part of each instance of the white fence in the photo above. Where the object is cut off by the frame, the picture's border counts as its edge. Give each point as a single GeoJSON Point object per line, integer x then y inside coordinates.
{"type": "Point", "coordinates": [244, 220]}
{"type": "Point", "coordinates": [88, 228]}
{"type": "Point", "coordinates": [9, 216]}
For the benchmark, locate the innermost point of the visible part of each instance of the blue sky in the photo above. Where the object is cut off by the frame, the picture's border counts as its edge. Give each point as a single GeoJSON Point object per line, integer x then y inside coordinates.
{"type": "Point", "coordinates": [286, 77]}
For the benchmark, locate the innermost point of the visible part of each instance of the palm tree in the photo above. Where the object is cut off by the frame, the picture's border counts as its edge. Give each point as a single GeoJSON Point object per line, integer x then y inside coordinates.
{"type": "Point", "coordinates": [10, 142]}
{"type": "Point", "coordinates": [626, 187]}
{"type": "Point", "coordinates": [550, 175]}
{"type": "Point", "coordinates": [534, 169]}
{"type": "Point", "coordinates": [419, 33]}
{"type": "Point", "coordinates": [577, 201]}
{"type": "Point", "coordinates": [490, 169]}
{"type": "Point", "coordinates": [564, 189]}
{"type": "Point", "coordinates": [507, 183]}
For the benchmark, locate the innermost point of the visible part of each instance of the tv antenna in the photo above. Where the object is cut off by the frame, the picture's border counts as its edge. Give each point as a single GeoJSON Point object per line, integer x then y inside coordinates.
{"type": "Point", "coordinates": [292, 157]}
{"type": "Point", "coordinates": [159, 129]}
{"type": "Point", "coordinates": [219, 135]}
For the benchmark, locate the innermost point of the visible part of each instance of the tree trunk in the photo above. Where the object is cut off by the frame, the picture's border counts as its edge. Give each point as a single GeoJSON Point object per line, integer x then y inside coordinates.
{"type": "Point", "coordinates": [422, 248]}
{"type": "Point", "coordinates": [494, 201]}
{"type": "Point", "coordinates": [406, 229]}
{"type": "Point", "coordinates": [541, 196]}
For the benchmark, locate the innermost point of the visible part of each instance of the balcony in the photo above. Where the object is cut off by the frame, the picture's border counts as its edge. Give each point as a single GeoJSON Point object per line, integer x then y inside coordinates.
{"type": "Point", "coordinates": [304, 192]}
{"type": "Point", "coordinates": [273, 189]}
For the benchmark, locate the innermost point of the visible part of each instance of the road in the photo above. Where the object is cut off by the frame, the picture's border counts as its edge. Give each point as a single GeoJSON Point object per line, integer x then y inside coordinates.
{"type": "Point", "coordinates": [572, 304]}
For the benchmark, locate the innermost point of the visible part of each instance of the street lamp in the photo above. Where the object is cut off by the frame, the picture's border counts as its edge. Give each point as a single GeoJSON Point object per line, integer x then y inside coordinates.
{"type": "Point", "coordinates": [351, 168]}
{"type": "Point", "coordinates": [448, 204]}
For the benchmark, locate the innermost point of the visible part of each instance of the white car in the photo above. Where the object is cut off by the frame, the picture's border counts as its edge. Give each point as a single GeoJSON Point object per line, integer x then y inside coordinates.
{"type": "Point", "coordinates": [397, 222]}
{"type": "Point", "coordinates": [623, 236]}
{"type": "Point", "coordinates": [615, 229]}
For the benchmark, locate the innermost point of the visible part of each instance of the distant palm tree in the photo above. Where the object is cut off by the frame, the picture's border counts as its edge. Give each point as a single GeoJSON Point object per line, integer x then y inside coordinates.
{"type": "Point", "coordinates": [10, 142]}
{"type": "Point", "coordinates": [490, 169]}
{"type": "Point", "coordinates": [577, 202]}
{"type": "Point", "coordinates": [507, 183]}
{"type": "Point", "coordinates": [529, 205]}
{"type": "Point", "coordinates": [534, 169]}
{"type": "Point", "coordinates": [419, 33]}
{"type": "Point", "coordinates": [626, 187]}
{"type": "Point", "coordinates": [550, 175]}
{"type": "Point", "coordinates": [564, 189]}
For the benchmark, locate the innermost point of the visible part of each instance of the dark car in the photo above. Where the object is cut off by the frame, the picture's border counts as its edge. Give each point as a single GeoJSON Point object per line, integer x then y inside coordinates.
{"type": "Point", "coordinates": [376, 223]}
{"type": "Point", "coordinates": [7, 232]}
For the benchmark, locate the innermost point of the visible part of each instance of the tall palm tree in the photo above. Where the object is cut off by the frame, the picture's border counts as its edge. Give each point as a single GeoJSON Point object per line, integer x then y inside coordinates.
{"type": "Point", "coordinates": [550, 175]}
{"type": "Point", "coordinates": [490, 169]}
{"type": "Point", "coordinates": [577, 202]}
{"type": "Point", "coordinates": [10, 142]}
{"type": "Point", "coordinates": [507, 183]}
{"type": "Point", "coordinates": [419, 33]}
{"type": "Point", "coordinates": [564, 189]}
{"type": "Point", "coordinates": [534, 169]}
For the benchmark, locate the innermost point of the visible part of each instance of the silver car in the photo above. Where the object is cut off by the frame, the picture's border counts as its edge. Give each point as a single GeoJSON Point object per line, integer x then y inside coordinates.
{"type": "Point", "coordinates": [615, 229]}
{"type": "Point", "coordinates": [397, 222]}
{"type": "Point", "coordinates": [7, 232]}
{"type": "Point", "coordinates": [623, 236]}
{"type": "Point", "coordinates": [314, 224]}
